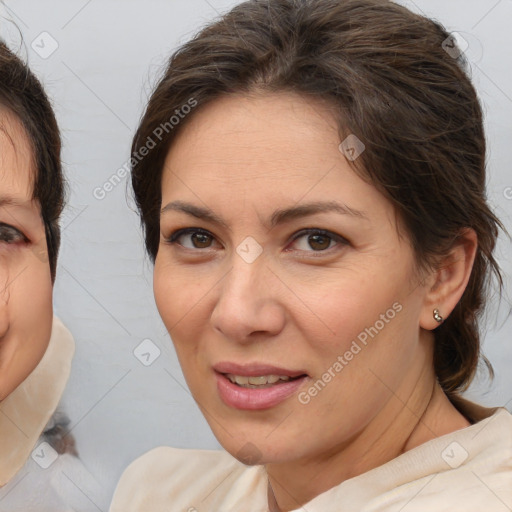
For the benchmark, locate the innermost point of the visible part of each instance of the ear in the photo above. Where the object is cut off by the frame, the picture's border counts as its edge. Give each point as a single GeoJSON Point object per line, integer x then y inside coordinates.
{"type": "Point", "coordinates": [450, 279]}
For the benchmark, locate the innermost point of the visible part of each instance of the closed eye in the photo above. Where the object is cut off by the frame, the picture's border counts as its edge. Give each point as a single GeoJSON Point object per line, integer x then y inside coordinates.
{"type": "Point", "coordinates": [11, 235]}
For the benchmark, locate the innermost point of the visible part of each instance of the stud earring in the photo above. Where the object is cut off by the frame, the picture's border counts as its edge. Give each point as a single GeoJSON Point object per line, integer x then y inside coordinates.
{"type": "Point", "coordinates": [437, 317]}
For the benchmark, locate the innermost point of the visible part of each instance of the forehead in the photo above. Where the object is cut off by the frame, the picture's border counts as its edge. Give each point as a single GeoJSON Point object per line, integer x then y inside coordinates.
{"type": "Point", "coordinates": [277, 140]}
{"type": "Point", "coordinates": [16, 158]}
{"type": "Point", "coordinates": [255, 129]}
{"type": "Point", "coordinates": [264, 149]}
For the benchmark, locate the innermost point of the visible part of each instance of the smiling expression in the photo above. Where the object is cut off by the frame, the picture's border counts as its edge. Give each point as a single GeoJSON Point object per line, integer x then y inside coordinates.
{"type": "Point", "coordinates": [25, 280]}
{"type": "Point", "coordinates": [274, 257]}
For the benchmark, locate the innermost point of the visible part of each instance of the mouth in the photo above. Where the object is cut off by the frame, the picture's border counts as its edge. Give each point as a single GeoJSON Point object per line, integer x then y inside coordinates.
{"type": "Point", "coordinates": [256, 386]}
{"type": "Point", "coordinates": [259, 382]}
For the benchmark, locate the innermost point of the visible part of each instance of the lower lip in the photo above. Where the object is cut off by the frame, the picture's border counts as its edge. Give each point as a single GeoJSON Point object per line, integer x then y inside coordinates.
{"type": "Point", "coordinates": [254, 398]}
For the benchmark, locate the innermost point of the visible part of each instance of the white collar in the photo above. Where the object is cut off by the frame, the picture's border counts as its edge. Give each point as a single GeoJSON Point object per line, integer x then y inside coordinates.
{"type": "Point", "coordinates": [27, 410]}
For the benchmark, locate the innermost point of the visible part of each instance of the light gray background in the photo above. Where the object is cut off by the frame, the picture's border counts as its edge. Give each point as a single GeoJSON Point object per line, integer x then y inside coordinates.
{"type": "Point", "coordinates": [109, 54]}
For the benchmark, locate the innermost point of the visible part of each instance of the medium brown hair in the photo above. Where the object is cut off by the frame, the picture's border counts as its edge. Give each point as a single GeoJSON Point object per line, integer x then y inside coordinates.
{"type": "Point", "coordinates": [23, 95]}
{"type": "Point", "coordinates": [385, 72]}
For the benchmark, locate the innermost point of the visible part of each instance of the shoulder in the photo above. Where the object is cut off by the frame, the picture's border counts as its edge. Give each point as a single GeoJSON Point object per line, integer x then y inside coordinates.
{"type": "Point", "coordinates": [475, 471]}
{"type": "Point", "coordinates": [62, 337]}
{"type": "Point", "coordinates": [166, 459]}
{"type": "Point", "coordinates": [183, 478]}
{"type": "Point", "coordinates": [469, 469]}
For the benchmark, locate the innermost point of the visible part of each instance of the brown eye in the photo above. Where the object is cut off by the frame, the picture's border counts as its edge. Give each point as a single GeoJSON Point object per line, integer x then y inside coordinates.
{"type": "Point", "coordinates": [314, 240]}
{"type": "Point", "coordinates": [192, 238]}
{"type": "Point", "coordinates": [201, 240]}
{"type": "Point", "coordinates": [319, 242]}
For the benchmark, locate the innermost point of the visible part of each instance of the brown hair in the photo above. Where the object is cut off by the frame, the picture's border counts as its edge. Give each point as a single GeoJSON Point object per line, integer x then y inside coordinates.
{"type": "Point", "coordinates": [23, 95]}
{"type": "Point", "coordinates": [386, 74]}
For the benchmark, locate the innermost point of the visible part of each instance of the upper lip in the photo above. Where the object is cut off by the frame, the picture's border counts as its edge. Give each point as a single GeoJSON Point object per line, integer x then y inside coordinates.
{"type": "Point", "coordinates": [255, 369]}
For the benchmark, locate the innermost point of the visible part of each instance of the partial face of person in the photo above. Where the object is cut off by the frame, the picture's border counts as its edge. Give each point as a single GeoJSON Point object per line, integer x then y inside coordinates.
{"type": "Point", "coordinates": [290, 294]}
{"type": "Point", "coordinates": [25, 280]}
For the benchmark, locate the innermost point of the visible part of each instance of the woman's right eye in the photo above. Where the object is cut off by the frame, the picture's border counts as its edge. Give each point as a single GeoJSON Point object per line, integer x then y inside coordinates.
{"type": "Point", "coordinates": [192, 238]}
{"type": "Point", "coordinates": [10, 235]}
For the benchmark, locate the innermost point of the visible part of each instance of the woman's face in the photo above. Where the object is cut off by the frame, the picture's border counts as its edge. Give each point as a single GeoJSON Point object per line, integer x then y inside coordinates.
{"type": "Point", "coordinates": [290, 295]}
{"type": "Point", "coordinates": [25, 280]}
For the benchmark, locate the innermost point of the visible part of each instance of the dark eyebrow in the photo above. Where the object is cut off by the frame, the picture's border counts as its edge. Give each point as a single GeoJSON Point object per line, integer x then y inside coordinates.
{"type": "Point", "coordinates": [278, 217]}
{"type": "Point", "coordinates": [287, 214]}
{"type": "Point", "coordinates": [196, 211]}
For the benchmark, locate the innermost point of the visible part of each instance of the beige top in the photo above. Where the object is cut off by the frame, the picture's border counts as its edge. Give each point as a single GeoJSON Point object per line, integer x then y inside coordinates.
{"type": "Point", "coordinates": [468, 470]}
{"type": "Point", "coordinates": [27, 410]}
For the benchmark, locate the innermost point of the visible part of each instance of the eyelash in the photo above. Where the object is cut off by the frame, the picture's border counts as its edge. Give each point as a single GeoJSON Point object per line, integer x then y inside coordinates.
{"type": "Point", "coordinates": [11, 235]}
{"type": "Point", "coordinates": [173, 238]}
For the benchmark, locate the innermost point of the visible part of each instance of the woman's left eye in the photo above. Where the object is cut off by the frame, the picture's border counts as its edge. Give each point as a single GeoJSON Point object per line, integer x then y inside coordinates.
{"type": "Point", "coordinates": [317, 240]}
{"type": "Point", "coordinates": [10, 235]}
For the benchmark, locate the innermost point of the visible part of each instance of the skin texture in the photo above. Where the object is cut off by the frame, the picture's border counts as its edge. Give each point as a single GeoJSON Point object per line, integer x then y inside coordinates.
{"type": "Point", "coordinates": [296, 306]}
{"type": "Point", "coordinates": [25, 281]}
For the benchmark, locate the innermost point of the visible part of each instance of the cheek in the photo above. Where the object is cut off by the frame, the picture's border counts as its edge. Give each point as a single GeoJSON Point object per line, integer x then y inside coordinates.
{"type": "Point", "coordinates": [345, 306]}
{"type": "Point", "coordinates": [373, 335]}
{"type": "Point", "coordinates": [170, 291]}
{"type": "Point", "coordinates": [180, 296]}
{"type": "Point", "coordinates": [181, 301]}
{"type": "Point", "coordinates": [26, 314]}
{"type": "Point", "coordinates": [363, 328]}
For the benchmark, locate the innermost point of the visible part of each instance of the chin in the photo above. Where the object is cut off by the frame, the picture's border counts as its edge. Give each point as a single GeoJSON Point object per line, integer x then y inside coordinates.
{"type": "Point", "coordinates": [255, 448]}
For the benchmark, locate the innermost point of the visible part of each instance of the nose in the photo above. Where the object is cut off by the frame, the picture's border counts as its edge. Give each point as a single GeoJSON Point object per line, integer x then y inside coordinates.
{"type": "Point", "coordinates": [248, 305]}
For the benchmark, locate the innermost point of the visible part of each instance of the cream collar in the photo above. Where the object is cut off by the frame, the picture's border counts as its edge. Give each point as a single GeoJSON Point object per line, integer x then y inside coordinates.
{"type": "Point", "coordinates": [27, 410]}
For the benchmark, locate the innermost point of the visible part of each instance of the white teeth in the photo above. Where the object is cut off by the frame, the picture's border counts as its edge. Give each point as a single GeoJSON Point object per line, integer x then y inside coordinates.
{"type": "Point", "coordinates": [258, 381]}
{"type": "Point", "coordinates": [238, 379]}
{"type": "Point", "coordinates": [252, 382]}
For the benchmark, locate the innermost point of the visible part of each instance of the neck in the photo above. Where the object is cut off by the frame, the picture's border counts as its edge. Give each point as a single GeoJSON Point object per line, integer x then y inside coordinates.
{"type": "Point", "coordinates": [405, 422]}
